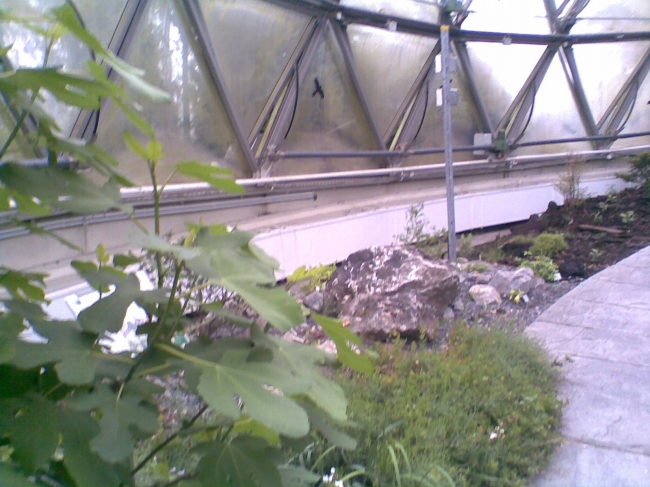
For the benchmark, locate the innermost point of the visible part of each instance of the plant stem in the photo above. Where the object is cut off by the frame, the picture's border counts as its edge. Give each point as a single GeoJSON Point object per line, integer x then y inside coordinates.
{"type": "Point", "coordinates": [168, 440]}
{"type": "Point", "coordinates": [156, 208]}
{"type": "Point", "coordinates": [25, 111]}
{"type": "Point", "coordinates": [161, 324]}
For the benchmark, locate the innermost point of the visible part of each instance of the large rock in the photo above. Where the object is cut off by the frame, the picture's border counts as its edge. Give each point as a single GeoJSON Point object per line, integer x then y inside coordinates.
{"type": "Point", "coordinates": [383, 290]}
{"type": "Point", "coordinates": [523, 279]}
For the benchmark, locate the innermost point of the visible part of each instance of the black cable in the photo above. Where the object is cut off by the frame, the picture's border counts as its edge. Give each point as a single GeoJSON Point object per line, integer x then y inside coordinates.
{"type": "Point", "coordinates": [629, 114]}
{"type": "Point", "coordinates": [530, 114]}
{"type": "Point", "coordinates": [295, 103]}
{"type": "Point", "coordinates": [424, 111]}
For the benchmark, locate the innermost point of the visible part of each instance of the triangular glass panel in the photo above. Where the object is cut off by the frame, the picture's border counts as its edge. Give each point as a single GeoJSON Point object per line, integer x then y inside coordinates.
{"type": "Point", "coordinates": [639, 119]}
{"type": "Point", "coordinates": [554, 116]}
{"type": "Point", "coordinates": [252, 63]}
{"type": "Point", "coordinates": [502, 71]}
{"type": "Point", "coordinates": [331, 121]}
{"type": "Point", "coordinates": [194, 126]}
{"type": "Point", "coordinates": [430, 125]}
{"type": "Point", "coordinates": [422, 10]}
{"type": "Point", "coordinates": [28, 49]}
{"type": "Point", "coordinates": [514, 16]}
{"type": "Point", "coordinates": [388, 63]}
{"type": "Point", "coordinates": [101, 18]}
{"type": "Point", "coordinates": [604, 69]}
{"type": "Point", "coordinates": [613, 16]}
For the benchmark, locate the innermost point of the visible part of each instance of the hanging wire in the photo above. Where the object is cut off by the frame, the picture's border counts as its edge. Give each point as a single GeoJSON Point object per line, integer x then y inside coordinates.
{"type": "Point", "coordinates": [530, 113]}
{"type": "Point", "coordinates": [629, 113]}
{"type": "Point", "coordinates": [295, 102]}
{"type": "Point", "coordinates": [424, 111]}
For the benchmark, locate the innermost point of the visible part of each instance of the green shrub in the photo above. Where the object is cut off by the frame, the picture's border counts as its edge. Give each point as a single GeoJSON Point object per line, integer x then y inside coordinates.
{"type": "Point", "coordinates": [639, 172]}
{"type": "Point", "coordinates": [485, 410]}
{"type": "Point", "coordinates": [542, 266]}
{"type": "Point", "coordinates": [548, 245]}
{"type": "Point", "coordinates": [317, 276]}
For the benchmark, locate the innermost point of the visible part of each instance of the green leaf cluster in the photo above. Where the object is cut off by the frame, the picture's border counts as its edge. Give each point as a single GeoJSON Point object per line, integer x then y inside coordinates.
{"type": "Point", "coordinates": [71, 413]}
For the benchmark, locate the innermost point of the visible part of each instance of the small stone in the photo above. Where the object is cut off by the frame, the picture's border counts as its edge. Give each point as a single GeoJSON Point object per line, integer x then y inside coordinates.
{"type": "Point", "coordinates": [448, 315]}
{"type": "Point", "coordinates": [484, 294]}
{"type": "Point", "coordinates": [314, 301]}
{"type": "Point", "coordinates": [458, 304]}
{"type": "Point", "coordinates": [507, 281]}
{"type": "Point", "coordinates": [328, 346]}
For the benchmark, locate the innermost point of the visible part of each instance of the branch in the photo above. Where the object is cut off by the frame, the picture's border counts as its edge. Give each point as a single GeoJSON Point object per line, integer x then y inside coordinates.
{"type": "Point", "coordinates": [155, 451]}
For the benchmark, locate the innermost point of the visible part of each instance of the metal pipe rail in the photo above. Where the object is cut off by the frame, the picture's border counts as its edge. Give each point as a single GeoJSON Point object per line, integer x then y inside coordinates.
{"type": "Point", "coordinates": [296, 188]}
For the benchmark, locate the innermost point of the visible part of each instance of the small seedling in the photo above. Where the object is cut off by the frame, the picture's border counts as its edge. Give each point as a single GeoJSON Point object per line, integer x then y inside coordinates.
{"type": "Point", "coordinates": [595, 254]}
{"type": "Point", "coordinates": [627, 217]}
{"type": "Point", "coordinates": [548, 245]}
{"type": "Point", "coordinates": [517, 296]}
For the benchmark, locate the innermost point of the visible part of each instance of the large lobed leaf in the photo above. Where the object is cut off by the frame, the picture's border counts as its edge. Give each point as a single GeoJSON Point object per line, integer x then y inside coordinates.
{"type": "Point", "coordinates": [62, 188]}
{"type": "Point", "coordinates": [115, 441]}
{"type": "Point", "coordinates": [68, 347]}
{"type": "Point", "coordinates": [42, 426]}
{"type": "Point", "coordinates": [108, 313]}
{"type": "Point", "coordinates": [243, 462]}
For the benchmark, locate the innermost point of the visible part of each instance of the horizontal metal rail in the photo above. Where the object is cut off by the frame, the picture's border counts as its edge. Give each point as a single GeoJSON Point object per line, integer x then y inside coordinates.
{"type": "Point", "coordinates": [66, 221]}
{"type": "Point", "coordinates": [400, 173]}
{"type": "Point", "coordinates": [428, 29]}
{"type": "Point", "coordinates": [295, 187]}
{"type": "Point", "coordinates": [440, 150]}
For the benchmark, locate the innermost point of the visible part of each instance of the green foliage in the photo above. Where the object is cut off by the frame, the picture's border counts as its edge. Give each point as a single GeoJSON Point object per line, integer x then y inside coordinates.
{"type": "Point", "coordinates": [542, 266]}
{"type": "Point", "coordinates": [639, 172]}
{"type": "Point", "coordinates": [485, 410]}
{"type": "Point", "coordinates": [415, 232]}
{"type": "Point", "coordinates": [569, 183]}
{"type": "Point", "coordinates": [548, 245]}
{"type": "Point", "coordinates": [627, 217]}
{"type": "Point", "coordinates": [465, 248]}
{"type": "Point", "coordinates": [72, 414]}
{"type": "Point", "coordinates": [595, 254]}
{"type": "Point", "coordinates": [317, 276]}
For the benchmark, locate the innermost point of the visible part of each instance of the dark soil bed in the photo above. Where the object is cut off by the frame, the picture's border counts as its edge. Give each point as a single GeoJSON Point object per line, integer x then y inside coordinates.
{"type": "Point", "coordinates": [599, 231]}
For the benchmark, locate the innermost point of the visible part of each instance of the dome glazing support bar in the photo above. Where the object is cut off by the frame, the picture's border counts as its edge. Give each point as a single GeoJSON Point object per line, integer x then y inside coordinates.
{"type": "Point", "coordinates": [195, 17]}
{"type": "Point", "coordinates": [344, 44]}
{"type": "Point", "coordinates": [567, 57]}
{"type": "Point", "coordinates": [428, 29]}
{"type": "Point", "coordinates": [120, 44]}
{"type": "Point", "coordinates": [623, 103]}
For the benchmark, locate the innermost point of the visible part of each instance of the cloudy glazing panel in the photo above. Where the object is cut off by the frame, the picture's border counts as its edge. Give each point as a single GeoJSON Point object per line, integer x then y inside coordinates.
{"type": "Point", "coordinates": [252, 63]}
{"type": "Point", "coordinates": [388, 63]}
{"type": "Point", "coordinates": [194, 125]}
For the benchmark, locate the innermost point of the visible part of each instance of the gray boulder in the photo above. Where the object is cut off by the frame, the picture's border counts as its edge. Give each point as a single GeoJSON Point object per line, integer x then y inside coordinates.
{"type": "Point", "coordinates": [522, 279]}
{"type": "Point", "coordinates": [385, 290]}
{"type": "Point", "coordinates": [485, 295]}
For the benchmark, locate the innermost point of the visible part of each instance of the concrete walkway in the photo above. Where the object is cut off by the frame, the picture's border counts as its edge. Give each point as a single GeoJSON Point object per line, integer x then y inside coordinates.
{"type": "Point", "coordinates": [600, 331]}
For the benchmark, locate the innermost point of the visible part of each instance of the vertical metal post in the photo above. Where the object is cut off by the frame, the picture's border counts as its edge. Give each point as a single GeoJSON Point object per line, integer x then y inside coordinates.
{"type": "Point", "coordinates": [449, 160]}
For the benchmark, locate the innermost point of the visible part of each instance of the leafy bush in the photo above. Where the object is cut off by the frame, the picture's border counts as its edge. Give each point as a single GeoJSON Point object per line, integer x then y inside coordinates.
{"type": "Point", "coordinates": [485, 410]}
{"type": "Point", "coordinates": [317, 276]}
{"type": "Point", "coordinates": [548, 245]}
{"type": "Point", "coordinates": [71, 414]}
{"type": "Point", "coordinates": [639, 172]}
{"type": "Point", "coordinates": [542, 267]}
